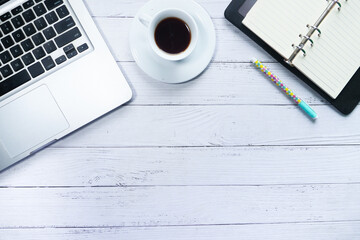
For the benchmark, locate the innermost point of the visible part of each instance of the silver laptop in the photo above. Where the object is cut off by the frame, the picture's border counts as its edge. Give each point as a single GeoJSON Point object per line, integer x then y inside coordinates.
{"type": "Point", "coordinates": [56, 74]}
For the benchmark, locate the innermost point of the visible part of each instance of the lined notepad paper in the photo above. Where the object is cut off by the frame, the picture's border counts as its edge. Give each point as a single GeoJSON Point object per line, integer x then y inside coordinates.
{"type": "Point", "coordinates": [335, 57]}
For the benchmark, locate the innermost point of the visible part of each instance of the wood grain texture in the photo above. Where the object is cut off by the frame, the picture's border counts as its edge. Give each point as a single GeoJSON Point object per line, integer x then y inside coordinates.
{"type": "Point", "coordinates": [226, 156]}
{"type": "Point", "coordinates": [180, 205]}
{"type": "Point", "coordinates": [129, 8]}
{"type": "Point", "coordinates": [299, 231]}
{"type": "Point", "coordinates": [220, 84]}
{"type": "Point", "coordinates": [153, 126]}
{"type": "Point", "coordinates": [242, 166]}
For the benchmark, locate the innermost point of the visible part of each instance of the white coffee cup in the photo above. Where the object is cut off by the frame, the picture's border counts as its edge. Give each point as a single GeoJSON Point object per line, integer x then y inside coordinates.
{"type": "Point", "coordinates": [151, 24]}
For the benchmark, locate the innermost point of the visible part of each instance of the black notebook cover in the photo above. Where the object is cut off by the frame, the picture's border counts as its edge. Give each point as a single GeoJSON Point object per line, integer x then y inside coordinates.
{"type": "Point", "coordinates": [348, 98]}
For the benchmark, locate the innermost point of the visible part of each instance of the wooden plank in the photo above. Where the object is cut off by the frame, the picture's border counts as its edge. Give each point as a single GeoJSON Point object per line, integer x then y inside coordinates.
{"type": "Point", "coordinates": [300, 231]}
{"type": "Point", "coordinates": [129, 8]}
{"type": "Point", "coordinates": [232, 44]}
{"type": "Point", "coordinates": [186, 167]}
{"type": "Point", "coordinates": [232, 81]}
{"type": "Point", "coordinates": [221, 83]}
{"type": "Point", "coordinates": [139, 126]}
{"type": "Point", "coordinates": [164, 206]}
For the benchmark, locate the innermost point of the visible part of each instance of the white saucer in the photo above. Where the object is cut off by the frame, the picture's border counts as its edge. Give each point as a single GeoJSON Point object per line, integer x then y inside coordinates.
{"type": "Point", "coordinates": [167, 71]}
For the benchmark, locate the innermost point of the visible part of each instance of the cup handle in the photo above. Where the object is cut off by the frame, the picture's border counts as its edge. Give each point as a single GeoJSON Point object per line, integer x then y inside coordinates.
{"type": "Point", "coordinates": [145, 20]}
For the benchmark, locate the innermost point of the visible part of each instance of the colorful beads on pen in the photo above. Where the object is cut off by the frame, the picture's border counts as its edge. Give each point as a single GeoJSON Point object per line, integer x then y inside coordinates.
{"type": "Point", "coordinates": [302, 104]}
{"type": "Point", "coordinates": [277, 81]}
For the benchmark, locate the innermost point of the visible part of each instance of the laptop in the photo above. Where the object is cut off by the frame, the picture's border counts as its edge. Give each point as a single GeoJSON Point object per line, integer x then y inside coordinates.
{"type": "Point", "coordinates": [56, 75]}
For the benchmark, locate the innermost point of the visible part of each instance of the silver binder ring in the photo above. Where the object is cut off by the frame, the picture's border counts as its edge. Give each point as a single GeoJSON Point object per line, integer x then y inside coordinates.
{"type": "Point", "coordinates": [300, 48]}
{"type": "Point", "coordinates": [338, 3]}
{"type": "Point", "coordinates": [315, 28]}
{"type": "Point", "coordinates": [308, 38]}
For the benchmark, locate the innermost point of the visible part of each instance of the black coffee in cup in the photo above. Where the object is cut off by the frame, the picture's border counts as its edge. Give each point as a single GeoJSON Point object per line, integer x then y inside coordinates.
{"type": "Point", "coordinates": [172, 35]}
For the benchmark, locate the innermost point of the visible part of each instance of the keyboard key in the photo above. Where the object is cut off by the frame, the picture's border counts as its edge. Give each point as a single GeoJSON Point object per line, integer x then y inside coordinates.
{"type": "Point", "coordinates": [64, 25]}
{"type": "Point", "coordinates": [6, 27]}
{"type": "Point", "coordinates": [49, 33]}
{"type": "Point", "coordinates": [16, 51]}
{"type": "Point", "coordinates": [71, 53]}
{"type": "Point", "coordinates": [50, 47]}
{"type": "Point", "coordinates": [51, 4]}
{"type": "Point", "coordinates": [7, 41]}
{"type": "Point", "coordinates": [29, 29]}
{"type": "Point", "coordinates": [60, 60]}
{"type": "Point", "coordinates": [28, 4]}
{"type": "Point", "coordinates": [62, 11]}
{"type": "Point", "coordinates": [28, 59]}
{"type": "Point", "coordinates": [38, 39]}
{"type": "Point", "coordinates": [18, 35]}
{"type": "Point", "coordinates": [36, 69]}
{"type": "Point", "coordinates": [6, 71]}
{"type": "Point", "coordinates": [39, 9]}
{"type": "Point", "coordinates": [83, 48]}
{"type": "Point", "coordinates": [17, 65]}
{"type": "Point", "coordinates": [1, 48]}
{"type": "Point", "coordinates": [27, 45]}
{"type": "Point", "coordinates": [39, 53]}
{"type": "Point", "coordinates": [48, 63]}
{"type": "Point", "coordinates": [17, 21]}
{"type": "Point", "coordinates": [17, 10]}
{"type": "Point", "coordinates": [5, 57]}
{"type": "Point", "coordinates": [29, 15]}
{"type": "Point", "coordinates": [51, 17]}
{"type": "Point", "coordinates": [14, 81]}
{"type": "Point", "coordinates": [5, 16]}
{"type": "Point", "coordinates": [68, 48]}
{"type": "Point", "coordinates": [68, 37]}
{"type": "Point", "coordinates": [40, 23]}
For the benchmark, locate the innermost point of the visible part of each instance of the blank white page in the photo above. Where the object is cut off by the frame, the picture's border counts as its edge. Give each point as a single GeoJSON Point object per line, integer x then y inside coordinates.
{"type": "Point", "coordinates": [279, 22]}
{"type": "Point", "coordinates": [335, 57]}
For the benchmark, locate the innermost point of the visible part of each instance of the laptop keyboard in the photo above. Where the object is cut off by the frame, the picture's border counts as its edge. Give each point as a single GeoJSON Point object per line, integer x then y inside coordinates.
{"type": "Point", "coordinates": [36, 38]}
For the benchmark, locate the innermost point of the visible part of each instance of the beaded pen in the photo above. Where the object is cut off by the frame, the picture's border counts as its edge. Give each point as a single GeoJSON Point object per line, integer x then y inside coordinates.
{"type": "Point", "coordinates": [303, 105]}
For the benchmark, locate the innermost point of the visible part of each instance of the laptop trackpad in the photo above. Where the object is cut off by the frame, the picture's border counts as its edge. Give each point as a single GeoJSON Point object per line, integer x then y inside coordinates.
{"type": "Point", "coordinates": [30, 120]}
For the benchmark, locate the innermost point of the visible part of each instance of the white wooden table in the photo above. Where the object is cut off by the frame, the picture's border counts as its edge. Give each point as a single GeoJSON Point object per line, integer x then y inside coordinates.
{"type": "Point", "coordinates": [226, 156]}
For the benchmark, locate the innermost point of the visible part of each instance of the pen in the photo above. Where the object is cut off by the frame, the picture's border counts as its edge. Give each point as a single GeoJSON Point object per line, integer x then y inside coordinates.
{"type": "Point", "coordinates": [303, 105]}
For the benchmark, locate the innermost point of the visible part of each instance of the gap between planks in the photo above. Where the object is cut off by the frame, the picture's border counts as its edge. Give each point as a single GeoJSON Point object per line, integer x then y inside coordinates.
{"type": "Point", "coordinates": [298, 231]}
{"type": "Point", "coordinates": [188, 185]}
{"type": "Point", "coordinates": [182, 225]}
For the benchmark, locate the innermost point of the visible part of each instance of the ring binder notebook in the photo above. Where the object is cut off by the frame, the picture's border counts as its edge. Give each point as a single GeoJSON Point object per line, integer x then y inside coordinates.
{"type": "Point", "coordinates": [325, 49]}
{"type": "Point", "coordinates": [313, 28]}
